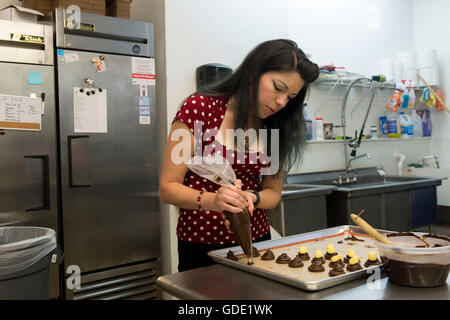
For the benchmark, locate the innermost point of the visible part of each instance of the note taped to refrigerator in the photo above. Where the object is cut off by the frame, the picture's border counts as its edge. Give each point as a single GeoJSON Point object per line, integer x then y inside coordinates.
{"type": "Point", "coordinates": [90, 110]}
{"type": "Point", "coordinates": [20, 113]}
{"type": "Point", "coordinates": [143, 71]}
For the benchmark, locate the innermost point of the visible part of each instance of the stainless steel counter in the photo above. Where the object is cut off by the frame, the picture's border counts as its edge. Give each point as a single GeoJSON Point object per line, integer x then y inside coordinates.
{"type": "Point", "coordinates": [220, 282]}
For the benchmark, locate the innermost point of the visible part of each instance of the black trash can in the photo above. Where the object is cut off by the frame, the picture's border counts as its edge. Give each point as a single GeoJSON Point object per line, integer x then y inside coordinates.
{"type": "Point", "coordinates": [25, 257]}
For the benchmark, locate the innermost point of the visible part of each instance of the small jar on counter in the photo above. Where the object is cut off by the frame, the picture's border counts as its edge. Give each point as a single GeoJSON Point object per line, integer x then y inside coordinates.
{"type": "Point", "coordinates": [318, 129]}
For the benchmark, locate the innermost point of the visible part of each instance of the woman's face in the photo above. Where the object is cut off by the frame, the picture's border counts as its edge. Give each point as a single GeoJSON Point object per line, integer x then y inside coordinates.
{"type": "Point", "coordinates": [275, 90]}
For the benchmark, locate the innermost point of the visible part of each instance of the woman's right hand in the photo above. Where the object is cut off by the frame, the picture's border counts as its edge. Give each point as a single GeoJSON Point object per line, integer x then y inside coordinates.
{"type": "Point", "coordinates": [231, 199]}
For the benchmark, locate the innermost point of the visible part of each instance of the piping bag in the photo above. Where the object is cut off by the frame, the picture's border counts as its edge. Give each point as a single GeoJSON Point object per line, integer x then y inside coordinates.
{"type": "Point", "coordinates": [218, 170]}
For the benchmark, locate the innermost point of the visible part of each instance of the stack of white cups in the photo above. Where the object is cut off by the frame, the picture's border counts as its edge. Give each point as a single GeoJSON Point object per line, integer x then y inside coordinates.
{"type": "Point", "coordinates": [409, 65]}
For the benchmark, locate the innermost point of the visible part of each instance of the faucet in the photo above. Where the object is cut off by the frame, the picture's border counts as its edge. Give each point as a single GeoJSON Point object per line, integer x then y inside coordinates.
{"type": "Point", "coordinates": [436, 160]}
{"type": "Point", "coordinates": [357, 157]}
{"type": "Point", "coordinates": [356, 142]}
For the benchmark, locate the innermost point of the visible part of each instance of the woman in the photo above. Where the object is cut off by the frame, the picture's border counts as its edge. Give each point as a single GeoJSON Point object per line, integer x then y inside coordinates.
{"type": "Point", "coordinates": [266, 91]}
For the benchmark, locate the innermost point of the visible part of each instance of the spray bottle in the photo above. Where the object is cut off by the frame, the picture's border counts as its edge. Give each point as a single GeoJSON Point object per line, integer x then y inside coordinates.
{"type": "Point", "coordinates": [404, 100]}
{"type": "Point", "coordinates": [394, 100]}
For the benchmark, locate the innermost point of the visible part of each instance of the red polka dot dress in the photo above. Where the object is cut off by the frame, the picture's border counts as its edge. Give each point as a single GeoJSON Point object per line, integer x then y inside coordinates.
{"type": "Point", "coordinates": [203, 115]}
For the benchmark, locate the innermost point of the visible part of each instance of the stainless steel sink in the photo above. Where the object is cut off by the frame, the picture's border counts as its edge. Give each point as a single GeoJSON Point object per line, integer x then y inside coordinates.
{"type": "Point", "coordinates": [385, 182]}
{"type": "Point", "coordinates": [390, 202]}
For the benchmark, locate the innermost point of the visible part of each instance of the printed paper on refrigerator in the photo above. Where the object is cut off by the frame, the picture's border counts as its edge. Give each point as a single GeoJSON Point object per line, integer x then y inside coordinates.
{"type": "Point", "coordinates": [90, 110]}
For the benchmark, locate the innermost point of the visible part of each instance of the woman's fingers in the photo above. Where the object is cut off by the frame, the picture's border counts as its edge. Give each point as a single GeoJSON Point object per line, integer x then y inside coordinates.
{"type": "Point", "coordinates": [233, 196]}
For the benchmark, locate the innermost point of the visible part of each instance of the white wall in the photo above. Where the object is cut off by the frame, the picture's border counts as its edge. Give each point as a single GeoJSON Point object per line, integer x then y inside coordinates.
{"type": "Point", "coordinates": [431, 25]}
{"type": "Point", "coordinates": [350, 33]}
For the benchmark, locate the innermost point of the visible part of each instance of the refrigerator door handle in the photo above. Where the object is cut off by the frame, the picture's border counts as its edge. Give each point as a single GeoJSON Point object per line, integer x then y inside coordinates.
{"type": "Point", "coordinates": [46, 184]}
{"type": "Point", "coordinates": [78, 162]}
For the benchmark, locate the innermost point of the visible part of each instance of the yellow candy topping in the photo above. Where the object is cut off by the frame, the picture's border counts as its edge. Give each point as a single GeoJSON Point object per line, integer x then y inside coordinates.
{"type": "Point", "coordinates": [318, 254]}
{"type": "Point", "coordinates": [330, 250]}
{"type": "Point", "coordinates": [303, 250]}
{"type": "Point", "coordinates": [372, 255]}
{"type": "Point", "coordinates": [336, 258]}
{"type": "Point", "coordinates": [354, 260]}
{"type": "Point", "coordinates": [351, 253]}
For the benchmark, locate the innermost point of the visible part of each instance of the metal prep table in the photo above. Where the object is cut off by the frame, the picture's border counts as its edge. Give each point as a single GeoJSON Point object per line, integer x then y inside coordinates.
{"type": "Point", "coordinates": [220, 282]}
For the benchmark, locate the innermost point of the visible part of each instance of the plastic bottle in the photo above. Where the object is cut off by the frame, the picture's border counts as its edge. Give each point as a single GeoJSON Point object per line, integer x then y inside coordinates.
{"type": "Point", "coordinates": [394, 100]}
{"type": "Point", "coordinates": [383, 129]}
{"type": "Point", "coordinates": [393, 124]}
{"type": "Point", "coordinates": [417, 124]}
{"type": "Point", "coordinates": [405, 125]}
{"type": "Point", "coordinates": [318, 128]}
{"type": "Point", "coordinates": [308, 121]}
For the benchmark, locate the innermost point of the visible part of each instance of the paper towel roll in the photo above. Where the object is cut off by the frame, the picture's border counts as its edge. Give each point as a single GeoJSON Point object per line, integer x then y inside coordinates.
{"type": "Point", "coordinates": [409, 63]}
{"type": "Point", "coordinates": [408, 59]}
{"type": "Point", "coordinates": [427, 58]}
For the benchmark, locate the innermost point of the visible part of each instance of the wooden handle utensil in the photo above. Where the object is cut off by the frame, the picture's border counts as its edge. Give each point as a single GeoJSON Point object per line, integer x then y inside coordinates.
{"type": "Point", "coordinates": [368, 229]}
{"type": "Point", "coordinates": [434, 92]}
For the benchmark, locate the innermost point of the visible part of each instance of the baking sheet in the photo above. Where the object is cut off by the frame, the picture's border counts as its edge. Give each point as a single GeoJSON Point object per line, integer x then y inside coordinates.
{"type": "Point", "coordinates": [301, 277]}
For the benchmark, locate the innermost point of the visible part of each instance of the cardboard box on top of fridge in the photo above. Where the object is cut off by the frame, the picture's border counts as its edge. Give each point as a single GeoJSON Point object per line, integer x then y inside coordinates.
{"type": "Point", "coordinates": [19, 14]}
{"type": "Point", "coordinates": [89, 6]}
{"type": "Point", "coordinates": [118, 8]}
{"type": "Point", "coordinates": [45, 6]}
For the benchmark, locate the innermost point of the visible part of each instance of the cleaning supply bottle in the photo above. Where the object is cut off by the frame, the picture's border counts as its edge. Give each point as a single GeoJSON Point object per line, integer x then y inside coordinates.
{"type": "Point", "coordinates": [411, 94]}
{"type": "Point", "coordinates": [417, 124]}
{"type": "Point", "coordinates": [383, 129]}
{"type": "Point", "coordinates": [394, 100]}
{"type": "Point", "coordinates": [308, 121]}
{"type": "Point", "coordinates": [405, 125]}
{"type": "Point", "coordinates": [404, 100]}
{"type": "Point", "coordinates": [393, 123]}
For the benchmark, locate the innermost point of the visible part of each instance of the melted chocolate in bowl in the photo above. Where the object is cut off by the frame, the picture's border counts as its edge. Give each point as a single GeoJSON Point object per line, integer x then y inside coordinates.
{"type": "Point", "coordinates": [415, 274]}
{"type": "Point", "coordinates": [416, 261]}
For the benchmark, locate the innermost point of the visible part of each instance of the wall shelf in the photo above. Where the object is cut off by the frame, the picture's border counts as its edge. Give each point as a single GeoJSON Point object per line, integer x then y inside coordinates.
{"type": "Point", "coordinates": [346, 82]}
{"type": "Point", "coordinates": [370, 140]}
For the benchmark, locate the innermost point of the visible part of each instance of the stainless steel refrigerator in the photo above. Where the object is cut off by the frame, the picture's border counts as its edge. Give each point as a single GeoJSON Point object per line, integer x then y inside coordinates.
{"type": "Point", "coordinates": [28, 159]}
{"type": "Point", "coordinates": [108, 156]}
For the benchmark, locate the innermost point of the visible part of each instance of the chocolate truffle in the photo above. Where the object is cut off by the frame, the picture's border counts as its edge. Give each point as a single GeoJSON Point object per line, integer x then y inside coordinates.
{"type": "Point", "coordinates": [350, 253]}
{"type": "Point", "coordinates": [372, 259]}
{"type": "Point", "coordinates": [255, 252]}
{"type": "Point", "coordinates": [303, 253]}
{"type": "Point", "coordinates": [318, 256]}
{"type": "Point", "coordinates": [296, 262]}
{"type": "Point", "coordinates": [330, 252]}
{"type": "Point", "coordinates": [268, 255]}
{"type": "Point", "coordinates": [354, 264]}
{"type": "Point", "coordinates": [316, 266]}
{"type": "Point", "coordinates": [231, 256]}
{"type": "Point", "coordinates": [336, 261]}
{"type": "Point", "coordinates": [336, 271]}
{"type": "Point", "coordinates": [283, 259]}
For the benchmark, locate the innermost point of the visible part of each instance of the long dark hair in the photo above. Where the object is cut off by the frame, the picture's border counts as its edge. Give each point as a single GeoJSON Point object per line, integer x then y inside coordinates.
{"type": "Point", "coordinates": [279, 55]}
